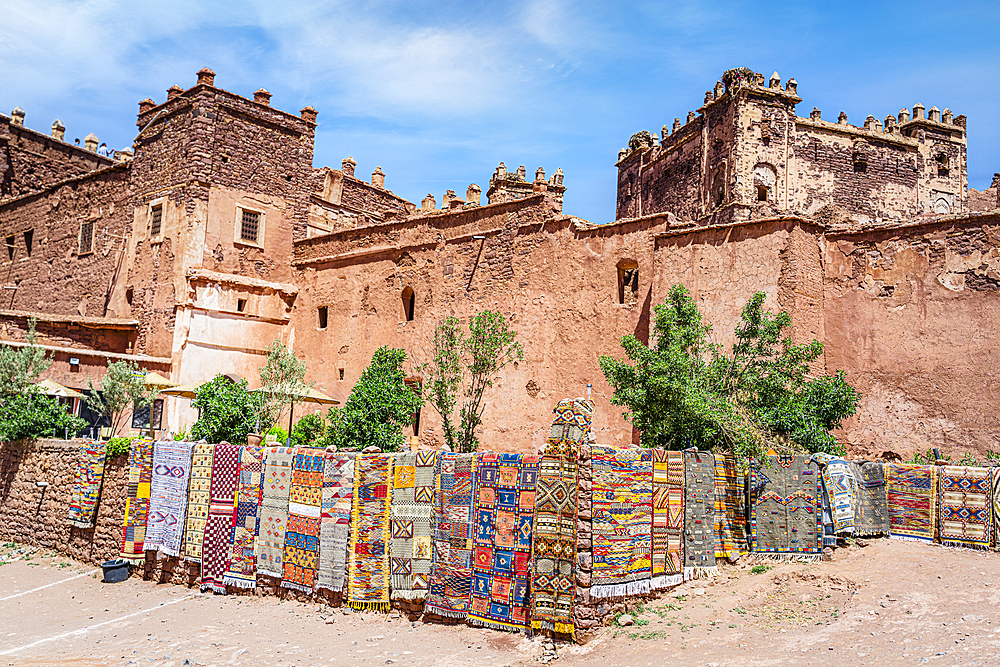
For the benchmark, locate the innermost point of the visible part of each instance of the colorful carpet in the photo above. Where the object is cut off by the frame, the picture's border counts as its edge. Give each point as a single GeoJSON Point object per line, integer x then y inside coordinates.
{"type": "Point", "coordinates": [274, 509]}
{"type": "Point", "coordinates": [841, 491]}
{"type": "Point", "coordinates": [335, 519]}
{"type": "Point", "coordinates": [368, 564]}
{"type": "Point", "coordinates": [411, 546]}
{"type": "Point", "coordinates": [199, 486]}
{"type": "Point", "coordinates": [786, 508]}
{"type": "Point", "coordinates": [966, 506]}
{"type": "Point", "coordinates": [140, 477]}
{"type": "Point", "coordinates": [871, 515]}
{"type": "Point", "coordinates": [622, 496]}
{"type": "Point", "coordinates": [699, 514]}
{"type": "Point", "coordinates": [995, 478]}
{"type": "Point", "coordinates": [168, 496]}
{"type": "Point", "coordinates": [553, 583]}
{"type": "Point", "coordinates": [300, 559]}
{"type": "Point", "coordinates": [87, 485]}
{"type": "Point", "coordinates": [504, 506]}
{"type": "Point", "coordinates": [730, 509]}
{"type": "Point", "coordinates": [668, 519]}
{"type": "Point", "coordinates": [241, 571]}
{"type": "Point", "coordinates": [222, 495]}
{"type": "Point", "coordinates": [911, 496]}
{"type": "Point", "coordinates": [451, 571]}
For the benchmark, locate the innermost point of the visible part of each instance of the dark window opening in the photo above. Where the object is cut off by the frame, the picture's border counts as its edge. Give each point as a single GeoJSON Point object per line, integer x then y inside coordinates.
{"type": "Point", "coordinates": [86, 238]}
{"type": "Point", "coordinates": [628, 282]}
{"type": "Point", "coordinates": [341, 371]}
{"type": "Point", "coordinates": [149, 416]}
{"type": "Point", "coordinates": [942, 165]}
{"type": "Point", "coordinates": [155, 221]}
{"type": "Point", "coordinates": [129, 295]}
{"type": "Point", "coordinates": [29, 236]}
{"type": "Point", "coordinates": [10, 248]}
{"type": "Point", "coordinates": [860, 165]}
{"type": "Point", "coordinates": [761, 192]}
{"type": "Point", "coordinates": [322, 317]}
{"type": "Point", "coordinates": [416, 422]}
{"type": "Point", "coordinates": [250, 226]}
{"type": "Point", "coordinates": [409, 301]}
{"type": "Point", "coordinates": [241, 305]}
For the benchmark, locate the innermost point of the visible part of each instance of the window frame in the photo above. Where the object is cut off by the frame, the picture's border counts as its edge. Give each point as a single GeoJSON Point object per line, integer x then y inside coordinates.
{"type": "Point", "coordinates": [90, 250]}
{"type": "Point", "coordinates": [153, 206]}
{"type": "Point", "coordinates": [238, 226]}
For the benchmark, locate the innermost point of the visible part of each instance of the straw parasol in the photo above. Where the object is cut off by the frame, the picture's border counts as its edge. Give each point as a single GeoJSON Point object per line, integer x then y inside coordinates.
{"type": "Point", "coordinates": [310, 396]}
{"type": "Point", "coordinates": [157, 380]}
{"type": "Point", "coordinates": [183, 391]}
{"type": "Point", "coordinates": [51, 388]}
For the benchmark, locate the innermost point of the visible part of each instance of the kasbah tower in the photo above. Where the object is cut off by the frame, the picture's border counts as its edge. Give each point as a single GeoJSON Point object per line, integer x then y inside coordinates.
{"type": "Point", "coordinates": [216, 235]}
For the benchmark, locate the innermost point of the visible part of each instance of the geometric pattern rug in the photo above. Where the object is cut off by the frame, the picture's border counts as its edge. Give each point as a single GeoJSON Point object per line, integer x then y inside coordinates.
{"type": "Point", "coordinates": [368, 566]}
{"type": "Point", "coordinates": [966, 506]}
{"type": "Point", "coordinates": [87, 484]}
{"type": "Point", "coordinates": [553, 584]}
{"type": "Point", "coordinates": [911, 495]}
{"type": "Point", "coordinates": [668, 518]}
{"type": "Point", "coordinates": [786, 508]}
{"type": "Point", "coordinates": [300, 559]}
{"type": "Point", "coordinates": [995, 483]}
{"type": "Point", "coordinates": [140, 477]}
{"type": "Point", "coordinates": [504, 492]}
{"type": "Point", "coordinates": [700, 537]}
{"type": "Point", "coordinates": [841, 490]}
{"type": "Point", "coordinates": [622, 497]}
{"type": "Point", "coordinates": [242, 569]}
{"type": "Point", "coordinates": [871, 514]}
{"type": "Point", "coordinates": [274, 509]}
{"type": "Point", "coordinates": [411, 546]}
{"type": "Point", "coordinates": [219, 524]}
{"type": "Point", "coordinates": [335, 519]}
{"type": "Point", "coordinates": [730, 509]}
{"type": "Point", "coordinates": [199, 485]}
{"type": "Point", "coordinates": [168, 496]}
{"type": "Point", "coordinates": [451, 572]}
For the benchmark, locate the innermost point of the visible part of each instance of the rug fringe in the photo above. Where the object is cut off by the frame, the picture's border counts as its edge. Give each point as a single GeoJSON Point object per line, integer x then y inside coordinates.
{"type": "Point", "coordinates": [192, 559]}
{"type": "Point", "coordinates": [408, 595]}
{"type": "Point", "coordinates": [561, 628]}
{"type": "Point", "coordinates": [700, 573]}
{"type": "Point", "coordinates": [215, 588]}
{"type": "Point", "coordinates": [495, 625]}
{"type": "Point", "coordinates": [381, 607]}
{"type": "Point", "coordinates": [640, 587]}
{"type": "Point", "coordinates": [168, 552]}
{"type": "Point", "coordinates": [789, 557]}
{"type": "Point", "coordinates": [239, 582]}
{"type": "Point", "coordinates": [447, 613]}
{"type": "Point", "coordinates": [80, 524]}
{"type": "Point", "coordinates": [666, 581]}
{"type": "Point", "coordinates": [965, 545]}
{"type": "Point", "coordinates": [269, 573]}
{"type": "Point", "coordinates": [296, 587]}
{"type": "Point", "coordinates": [874, 533]}
{"type": "Point", "coordinates": [910, 538]}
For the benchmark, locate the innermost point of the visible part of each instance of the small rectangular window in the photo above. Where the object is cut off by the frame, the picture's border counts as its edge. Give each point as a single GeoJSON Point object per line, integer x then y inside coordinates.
{"type": "Point", "coordinates": [322, 317]}
{"type": "Point", "coordinates": [241, 305]}
{"type": "Point", "coordinates": [341, 371]}
{"type": "Point", "coordinates": [250, 226]}
{"type": "Point", "coordinates": [86, 238]}
{"type": "Point", "coordinates": [155, 221]}
{"type": "Point", "coordinates": [29, 236]}
{"type": "Point", "coordinates": [10, 248]}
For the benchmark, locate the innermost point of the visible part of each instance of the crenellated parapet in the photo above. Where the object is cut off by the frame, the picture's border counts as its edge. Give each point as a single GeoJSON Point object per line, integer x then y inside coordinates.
{"type": "Point", "coordinates": [507, 186]}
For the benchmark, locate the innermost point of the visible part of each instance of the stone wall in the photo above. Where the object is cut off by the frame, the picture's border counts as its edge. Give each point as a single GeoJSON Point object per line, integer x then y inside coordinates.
{"type": "Point", "coordinates": [34, 515]}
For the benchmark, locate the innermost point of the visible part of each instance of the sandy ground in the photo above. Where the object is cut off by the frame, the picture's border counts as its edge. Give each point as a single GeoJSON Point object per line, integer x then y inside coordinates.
{"type": "Point", "coordinates": [890, 603]}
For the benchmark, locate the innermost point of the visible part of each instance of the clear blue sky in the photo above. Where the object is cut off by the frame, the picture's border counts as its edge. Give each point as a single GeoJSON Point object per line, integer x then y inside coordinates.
{"type": "Point", "coordinates": [438, 93]}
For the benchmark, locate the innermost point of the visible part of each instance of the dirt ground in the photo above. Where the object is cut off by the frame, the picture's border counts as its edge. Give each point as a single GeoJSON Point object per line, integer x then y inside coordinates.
{"type": "Point", "coordinates": [889, 603]}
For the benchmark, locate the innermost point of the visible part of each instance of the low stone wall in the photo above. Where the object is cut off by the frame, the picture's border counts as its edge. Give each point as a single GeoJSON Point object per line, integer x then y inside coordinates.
{"type": "Point", "coordinates": [36, 515]}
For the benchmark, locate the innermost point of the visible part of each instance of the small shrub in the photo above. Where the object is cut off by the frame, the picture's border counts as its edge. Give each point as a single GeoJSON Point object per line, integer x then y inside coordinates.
{"type": "Point", "coordinates": [308, 430]}
{"type": "Point", "coordinates": [181, 435]}
{"type": "Point", "coordinates": [118, 446]}
{"type": "Point", "coordinates": [759, 569]}
{"type": "Point", "coordinates": [280, 434]}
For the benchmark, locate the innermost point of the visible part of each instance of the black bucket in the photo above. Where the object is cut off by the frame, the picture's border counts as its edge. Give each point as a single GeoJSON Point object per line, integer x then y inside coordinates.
{"type": "Point", "coordinates": [116, 571]}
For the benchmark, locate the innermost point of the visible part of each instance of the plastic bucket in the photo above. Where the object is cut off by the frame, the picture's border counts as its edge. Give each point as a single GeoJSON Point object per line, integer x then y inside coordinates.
{"type": "Point", "coordinates": [115, 571]}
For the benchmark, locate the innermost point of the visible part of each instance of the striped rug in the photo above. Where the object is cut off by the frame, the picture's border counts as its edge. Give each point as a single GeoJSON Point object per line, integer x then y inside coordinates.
{"type": "Point", "coordinates": [335, 519]}
{"type": "Point", "coordinates": [87, 484]}
{"type": "Point", "coordinates": [242, 569]}
{"type": "Point", "coordinates": [168, 496]}
{"type": "Point", "coordinates": [140, 477]}
{"type": "Point", "coordinates": [300, 559]}
{"type": "Point", "coordinates": [911, 494]}
{"type": "Point", "coordinates": [218, 526]}
{"type": "Point", "coordinates": [668, 518]}
{"type": "Point", "coordinates": [368, 567]}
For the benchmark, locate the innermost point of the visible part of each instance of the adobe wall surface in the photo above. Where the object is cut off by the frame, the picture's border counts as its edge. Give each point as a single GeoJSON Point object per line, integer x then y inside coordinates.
{"type": "Point", "coordinates": [31, 161]}
{"type": "Point", "coordinates": [911, 315]}
{"type": "Point", "coordinates": [30, 514]}
{"type": "Point", "coordinates": [555, 281]}
{"type": "Point", "coordinates": [55, 278]}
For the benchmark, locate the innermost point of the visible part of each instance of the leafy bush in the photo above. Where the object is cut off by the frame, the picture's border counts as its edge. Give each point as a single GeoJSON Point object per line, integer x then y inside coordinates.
{"type": "Point", "coordinates": [379, 406]}
{"type": "Point", "coordinates": [280, 434]}
{"type": "Point", "coordinates": [118, 446]}
{"type": "Point", "coordinates": [34, 415]}
{"type": "Point", "coordinates": [307, 431]}
{"type": "Point", "coordinates": [228, 411]}
{"type": "Point", "coordinates": [181, 435]}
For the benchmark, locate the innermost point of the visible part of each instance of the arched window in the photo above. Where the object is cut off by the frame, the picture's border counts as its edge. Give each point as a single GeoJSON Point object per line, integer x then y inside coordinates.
{"type": "Point", "coordinates": [409, 301]}
{"type": "Point", "coordinates": [628, 281]}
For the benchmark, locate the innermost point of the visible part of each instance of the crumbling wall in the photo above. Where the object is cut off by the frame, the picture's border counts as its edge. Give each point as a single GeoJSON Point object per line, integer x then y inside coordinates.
{"type": "Point", "coordinates": [910, 315]}
{"type": "Point", "coordinates": [36, 515]}
{"type": "Point", "coordinates": [988, 199]}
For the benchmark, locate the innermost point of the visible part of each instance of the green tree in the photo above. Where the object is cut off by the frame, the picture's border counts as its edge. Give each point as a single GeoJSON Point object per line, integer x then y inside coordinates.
{"type": "Point", "coordinates": [476, 360]}
{"type": "Point", "coordinates": [227, 411]}
{"type": "Point", "coordinates": [379, 407]}
{"type": "Point", "coordinates": [282, 381]}
{"type": "Point", "coordinates": [31, 414]}
{"type": "Point", "coordinates": [123, 388]}
{"type": "Point", "coordinates": [20, 367]}
{"type": "Point", "coordinates": [308, 431]}
{"type": "Point", "coordinates": [682, 390]}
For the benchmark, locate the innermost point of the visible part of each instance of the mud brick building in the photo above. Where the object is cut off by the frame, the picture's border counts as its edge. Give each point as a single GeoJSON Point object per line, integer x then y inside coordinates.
{"type": "Point", "coordinates": [219, 235]}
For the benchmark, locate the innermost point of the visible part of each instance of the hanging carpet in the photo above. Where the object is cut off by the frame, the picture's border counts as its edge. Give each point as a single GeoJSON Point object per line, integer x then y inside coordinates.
{"type": "Point", "coordinates": [871, 515]}
{"type": "Point", "coordinates": [411, 546]}
{"type": "Point", "coordinates": [274, 509]}
{"type": "Point", "coordinates": [995, 483]}
{"type": "Point", "coordinates": [451, 571]}
{"type": "Point", "coordinates": [168, 496]}
{"type": "Point", "coordinates": [504, 497]}
{"type": "Point", "coordinates": [300, 559]}
{"type": "Point", "coordinates": [335, 519]}
{"type": "Point", "coordinates": [668, 518]}
{"type": "Point", "coordinates": [87, 484]}
{"type": "Point", "coordinates": [730, 508]}
{"type": "Point", "coordinates": [841, 491]}
{"type": "Point", "coordinates": [700, 537]}
{"type": "Point", "coordinates": [218, 526]}
{"type": "Point", "coordinates": [242, 569]}
{"type": "Point", "coordinates": [199, 486]}
{"type": "Point", "coordinates": [368, 564]}
{"type": "Point", "coordinates": [911, 496]}
{"type": "Point", "coordinates": [966, 506]}
{"type": "Point", "coordinates": [140, 477]}
{"type": "Point", "coordinates": [786, 508]}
